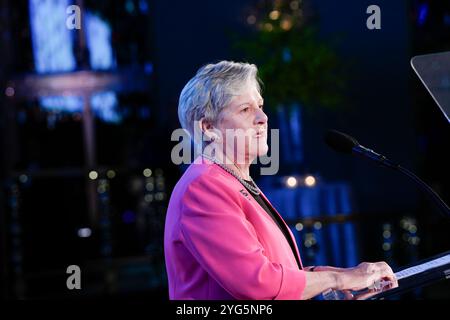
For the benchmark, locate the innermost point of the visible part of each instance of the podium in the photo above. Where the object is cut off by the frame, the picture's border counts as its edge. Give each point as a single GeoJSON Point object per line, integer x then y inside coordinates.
{"type": "Point", "coordinates": [433, 71]}
{"type": "Point", "coordinates": [422, 274]}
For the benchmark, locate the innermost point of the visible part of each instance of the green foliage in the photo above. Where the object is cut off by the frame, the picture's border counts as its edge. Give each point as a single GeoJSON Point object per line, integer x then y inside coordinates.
{"type": "Point", "coordinates": [295, 66]}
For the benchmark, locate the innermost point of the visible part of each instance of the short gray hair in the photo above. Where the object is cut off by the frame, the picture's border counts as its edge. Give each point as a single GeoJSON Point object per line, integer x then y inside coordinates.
{"type": "Point", "coordinates": [211, 89]}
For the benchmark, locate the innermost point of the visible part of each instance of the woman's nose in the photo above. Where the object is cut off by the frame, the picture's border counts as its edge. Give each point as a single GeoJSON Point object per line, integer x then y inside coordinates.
{"type": "Point", "coordinates": [261, 117]}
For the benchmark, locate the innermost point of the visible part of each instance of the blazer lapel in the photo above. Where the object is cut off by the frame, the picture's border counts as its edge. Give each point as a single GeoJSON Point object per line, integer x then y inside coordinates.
{"type": "Point", "coordinates": [240, 188]}
{"type": "Point", "coordinates": [292, 236]}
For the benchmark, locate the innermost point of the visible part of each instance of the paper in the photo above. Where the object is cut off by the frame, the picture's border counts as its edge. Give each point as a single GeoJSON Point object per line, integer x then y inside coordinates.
{"type": "Point", "coordinates": [423, 267]}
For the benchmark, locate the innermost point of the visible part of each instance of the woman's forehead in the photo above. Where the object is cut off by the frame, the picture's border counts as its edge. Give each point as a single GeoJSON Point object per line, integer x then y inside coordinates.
{"type": "Point", "coordinates": [248, 94]}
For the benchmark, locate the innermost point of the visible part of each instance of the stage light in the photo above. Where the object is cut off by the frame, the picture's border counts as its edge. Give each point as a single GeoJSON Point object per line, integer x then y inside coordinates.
{"type": "Point", "coordinates": [9, 92]}
{"type": "Point", "coordinates": [386, 234]}
{"type": "Point", "coordinates": [287, 56]}
{"type": "Point", "coordinates": [98, 39]}
{"type": "Point", "coordinates": [159, 196]}
{"type": "Point", "coordinates": [386, 246]}
{"type": "Point", "coordinates": [274, 15]}
{"type": "Point", "coordinates": [110, 174]}
{"type": "Point", "coordinates": [317, 225]}
{"type": "Point", "coordinates": [143, 6]}
{"type": "Point", "coordinates": [310, 181]}
{"type": "Point", "coordinates": [23, 178]}
{"type": "Point", "coordinates": [414, 241]}
{"type": "Point", "coordinates": [129, 6]}
{"type": "Point", "coordinates": [299, 226]}
{"type": "Point", "coordinates": [147, 172]}
{"type": "Point", "coordinates": [51, 40]}
{"type": "Point", "coordinates": [286, 24]}
{"type": "Point", "coordinates": [93, 175]}
{"type": "Point", "coordinates": [251, 19]}
{"type": "Point", "coordinates": [104, 105]}
{"type": "Point", "coordinates": [149, 186]}
{"type": "Point", "coordinates": [148, 68]}
{"type": "Point", "coordinates": [148, 198]}
{"type": "Point", "coordinates": [423, 13]}
{"type": "Point", "coordinates": [53, 52]}
{"type": "Point", "coordinates": [409, 225]}
{"type": "Point", "coordinates": [84, 232]}
{"type": "Point", "coordinates": [101, 188]}
{"type": "Point", "coordinates": [291, 182]}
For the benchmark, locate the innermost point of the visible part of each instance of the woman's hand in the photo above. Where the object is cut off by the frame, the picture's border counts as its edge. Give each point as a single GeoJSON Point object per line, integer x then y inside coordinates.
{"type": "Point", "coordinates": [364, 276]}
{"type": "Point", "coordinates": [348, 280]}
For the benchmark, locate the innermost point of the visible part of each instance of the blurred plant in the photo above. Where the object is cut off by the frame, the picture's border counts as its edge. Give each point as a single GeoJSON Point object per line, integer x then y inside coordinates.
{"type": "Point", "coordinates": [294, 65]}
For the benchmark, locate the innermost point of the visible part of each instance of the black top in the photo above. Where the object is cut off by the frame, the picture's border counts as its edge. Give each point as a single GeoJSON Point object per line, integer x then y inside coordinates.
{"type": "Point", "coordinates": [273, 214]}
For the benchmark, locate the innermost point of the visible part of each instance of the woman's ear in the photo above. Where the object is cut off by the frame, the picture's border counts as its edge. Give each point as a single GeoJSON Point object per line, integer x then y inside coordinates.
{"type": "Point", "coordinates": [205, 125]}
{"type": "Point", "coordinates": [207, 129]}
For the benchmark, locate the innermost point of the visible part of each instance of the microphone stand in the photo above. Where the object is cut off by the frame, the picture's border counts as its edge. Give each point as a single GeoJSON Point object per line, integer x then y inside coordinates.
{"type": "Point", "coordinates": [382, 160]}
{"type": "Point", "coordinates": [434, 196]}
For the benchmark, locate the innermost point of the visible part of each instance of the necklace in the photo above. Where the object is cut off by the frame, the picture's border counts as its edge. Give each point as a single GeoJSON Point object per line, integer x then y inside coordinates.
{"type": "Point", "coordinates": [253, 189]}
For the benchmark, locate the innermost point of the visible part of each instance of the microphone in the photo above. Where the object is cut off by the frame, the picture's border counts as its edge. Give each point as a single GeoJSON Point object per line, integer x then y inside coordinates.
{"type": "Point", "coordinates": [344, 143]}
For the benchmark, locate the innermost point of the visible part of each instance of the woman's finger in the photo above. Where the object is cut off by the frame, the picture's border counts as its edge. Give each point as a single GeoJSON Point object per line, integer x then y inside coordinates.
{"type": "Point", "coordinates": [366, 295]}
{"type": "Point", "coordinates": [348, 295]}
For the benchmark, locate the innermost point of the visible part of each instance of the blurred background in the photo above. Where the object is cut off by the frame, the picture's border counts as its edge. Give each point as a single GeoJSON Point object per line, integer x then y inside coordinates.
{"type": "Point", "coordinates": [87, 113]}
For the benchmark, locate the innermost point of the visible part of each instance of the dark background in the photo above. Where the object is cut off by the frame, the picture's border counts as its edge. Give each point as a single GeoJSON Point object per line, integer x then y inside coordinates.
{"type": "Point", "coordinates": [44, 173]}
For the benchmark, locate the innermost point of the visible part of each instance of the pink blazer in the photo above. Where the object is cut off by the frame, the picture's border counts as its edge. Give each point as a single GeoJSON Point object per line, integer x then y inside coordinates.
{"type": "Point", "coordinates": [220, 244]}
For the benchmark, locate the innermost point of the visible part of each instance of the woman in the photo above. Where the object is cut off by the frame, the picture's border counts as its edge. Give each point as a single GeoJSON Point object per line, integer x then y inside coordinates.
{"type": "Point", "coordinates": [223, 239]}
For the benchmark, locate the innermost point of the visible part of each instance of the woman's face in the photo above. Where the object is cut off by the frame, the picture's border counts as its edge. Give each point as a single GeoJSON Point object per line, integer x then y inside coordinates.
{"type": "Point", "coordinates": [243, 126]}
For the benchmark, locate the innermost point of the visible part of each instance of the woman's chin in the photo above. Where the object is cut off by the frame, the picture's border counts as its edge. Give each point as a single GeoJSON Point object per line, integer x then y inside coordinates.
{"type": "Point", "coordinates": [263, 148]}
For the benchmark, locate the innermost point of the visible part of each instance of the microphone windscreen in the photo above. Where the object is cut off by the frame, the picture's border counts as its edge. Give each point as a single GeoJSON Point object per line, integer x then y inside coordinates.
{"type": "Point", "coordinates": [339, 141]}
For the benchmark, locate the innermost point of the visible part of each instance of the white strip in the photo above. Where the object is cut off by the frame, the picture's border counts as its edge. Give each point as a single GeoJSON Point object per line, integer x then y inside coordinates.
{"type": "Point", "coordinates": [423, 267]}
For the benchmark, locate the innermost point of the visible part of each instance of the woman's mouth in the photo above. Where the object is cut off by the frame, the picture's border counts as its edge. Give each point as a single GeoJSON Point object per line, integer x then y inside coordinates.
{"type": "Point", "coordinates": [260, 134]}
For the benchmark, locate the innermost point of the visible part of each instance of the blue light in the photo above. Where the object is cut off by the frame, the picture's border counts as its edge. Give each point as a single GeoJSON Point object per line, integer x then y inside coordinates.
{"type": "Point", "coordinates": [62, 104]}
{"type": "Point", "coordinates": [98, 38]}
{"type": "Point", "coordinates": [53, 52]}
{"type": "Point", "coordinates": [295, 122]}
{"type": "Point", "coordinates": [52, 41]}
{"type": "Point", "coordinates": [105, 105]}
{"type": "Point", "coordinates": [336, 244]}
{"type": "Point", "coordinates": [143, 5]}
{"type": "Point", "coordinates": [287, 56]}
{"type": "Point", "coordinates": [129, 6]}
{"type": "Point", "coordinates": [351, 255]}
{"type": "Point", "coordinates": [423, 13]}
{"type": "Point", "coordinates": [148, 68]}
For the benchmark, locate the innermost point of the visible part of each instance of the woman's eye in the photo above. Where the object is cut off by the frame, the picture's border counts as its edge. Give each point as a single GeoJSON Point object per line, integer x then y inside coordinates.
{"type": "Point", "coordinates": [245, 109]}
